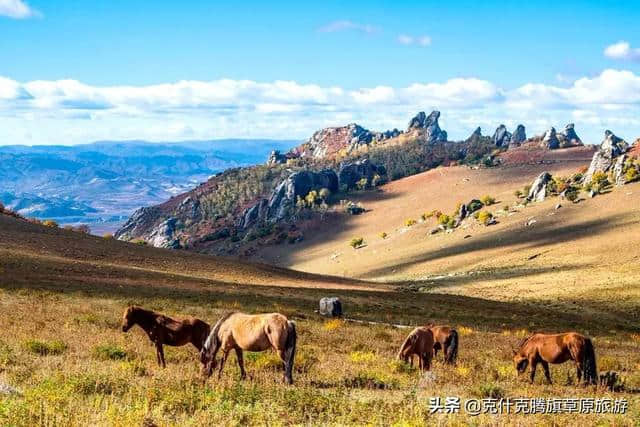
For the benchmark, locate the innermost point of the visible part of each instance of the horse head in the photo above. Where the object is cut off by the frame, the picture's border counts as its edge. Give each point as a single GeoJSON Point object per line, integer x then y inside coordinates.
{"type": "Point", "coordinates": [128, 318]}
{"type": "Point", "coordinates": [208, 354]}
{"type": "Point", "coordinates": [520, 361]}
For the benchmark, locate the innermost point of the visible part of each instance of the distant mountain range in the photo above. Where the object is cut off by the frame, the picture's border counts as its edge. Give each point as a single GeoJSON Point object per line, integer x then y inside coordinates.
{"type": "Point", "coordinates": [102, 183]}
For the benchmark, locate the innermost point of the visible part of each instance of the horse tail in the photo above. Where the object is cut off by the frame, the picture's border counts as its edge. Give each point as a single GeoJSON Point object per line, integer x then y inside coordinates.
{"type": "Point", "coordinates": [452, 352]}
{"type": "Point", "coordinates": [589, 362]}
{"type": "Point", "coordinates": [290, 350]}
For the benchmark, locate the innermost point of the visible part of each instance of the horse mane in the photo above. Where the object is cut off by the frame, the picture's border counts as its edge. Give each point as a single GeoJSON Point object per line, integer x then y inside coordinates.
{"type": "Point", "coordinates": [216, 327]}
{"type": "Point", "coordinates": [524, 341]}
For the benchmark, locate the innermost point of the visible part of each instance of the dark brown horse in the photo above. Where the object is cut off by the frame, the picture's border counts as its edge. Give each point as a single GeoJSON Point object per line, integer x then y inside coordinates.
{"type": "Point", "coordinates": [164, 330]}
{"type": "Point", "coordinates": [418, 342]}
{"type": "Point", "coordinates": [557, 348]}
{"type": "Point", "coordinates": [257, 332]}
{"type": "Point", "coordinates": [445, 339]}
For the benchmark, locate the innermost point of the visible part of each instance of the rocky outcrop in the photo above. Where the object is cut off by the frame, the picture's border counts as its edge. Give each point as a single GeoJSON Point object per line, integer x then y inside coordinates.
{"type": "Point", "coordinates": [568, 137]}
{"type": "Point", "coordinates": [501, 137]}
{"type": "Point", "coordinates": [538, 191]}
{"type": "Point", "coordinates": [350, 173]}
{"type": "Point", "coordinates": [163, 236]}
{"type": "Point", "coordinates": [518, 137]}
{"type": "Point", "coordinates": [388, 134]}
{"type": "Point", "coordinates": [550, 139]}
{"type": "Point", "coordinates": [281, 203]}
{"type": "Point", "coordinates": [618, 170]}
{"type": "Point", "coordinates": [275, 158]}
{"type": "Point", "coordinates": [429, 125]}
{"type": "Point", "coordinates": [330, 141]}
{"type": "Point", "coordinates": [603, 159]}
{"type": "Point", "coordinates": [461, 214]}
{"type": "Point", "coordinates": [138, 223]}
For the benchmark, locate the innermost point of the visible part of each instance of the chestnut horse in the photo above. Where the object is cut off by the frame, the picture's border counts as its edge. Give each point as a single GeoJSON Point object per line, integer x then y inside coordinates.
{"type": "Point", "coordinates": [557, 348]}
{"type": "Point", "coordinates": [258, 332]}
{"type": "Point", "coordinates": [445, 338]}
{"type": "Point", "coordinates": [164, 330]}
{"type": "Point", "coordinates": [418, 342]}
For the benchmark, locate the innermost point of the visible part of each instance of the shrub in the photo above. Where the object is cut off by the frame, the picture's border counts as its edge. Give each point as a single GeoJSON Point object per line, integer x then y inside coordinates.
{"type": "Point", "coordinates": [82, 228]}
{"type": "Point", "coordinates": [518, 194]}
{"type": "Point", "coordinates": [489, 390]}
{"type": "Point", "coordinates": [362, 184]}
{"type": "Point", "coordinates": [444, 219]}
{"type": "Point", "coordinates": [362, 356]}
{"type": "Point", "coordinates": [333, 324]}
{"type": "Point", "coordinates": [526, 189]}
{"type": "Point", "coordinates": [45, 348]}
{"type": "Point", "coordinates": [68, 227]}
{"type": "Point", "coordinates": [109, 352]}
{"type": "Point", "coordinates": [484, 217]}
{"type": "Point", "coordinates": [571, 194]}
{"type": "Point", "coordinates": [107, 236]}
{"type": "Point", "coordinates": [324, 193]}
{"type": "Point", "coordinates": [474, 205]}
{"type": "Point", "coordinates": [599, 181]}
{"type": "Point", "coordinates": [356, 242]}
{"type": "Point", "coordinates": [487, 200]}
{"type": "Point", "coordinates": [50, 223]}
{"type": "Point", "coordinates": [409, 222]}
{"type": "Point", "coordinates": [139, 241]}
{"type": "Point", "coordinates": [631, 175]}
{"type": "Point", "coordinates": [383, 235]}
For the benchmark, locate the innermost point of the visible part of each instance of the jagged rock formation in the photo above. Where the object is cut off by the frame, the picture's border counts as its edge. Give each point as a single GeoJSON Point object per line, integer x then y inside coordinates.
{"type": "Point", "coordinates": [501, 137]}
{"type": "Point", "coordinates": [518, 137]}
{"type": "Point", "coordinates": [428, 125]}
{"type": "Point", "coordinates": [604, 158]}
{"type": "Point", "coordinates": [550, 139]}
{"type": "Point", "coordinates": [461, 214]}
{"type": "Point", "coordinates": [275, 158]}
{"type": "Point", "coordinates": [538, 190]}
{"type": "Point", "coordinates": [282, 201]}
{"type": "Point", "coordinates": [568, 137]}
{"type": "Point", "coordinates": [351, 173]}
{"type": "Point", "coordinates": [388, 134]}
{"type": "Point", "coordinates": [475, 134]}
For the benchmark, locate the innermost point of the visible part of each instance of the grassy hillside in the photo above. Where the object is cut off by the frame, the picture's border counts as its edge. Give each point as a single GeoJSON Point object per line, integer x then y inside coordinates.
{"type": "Point", "coordinates": [62, 295]}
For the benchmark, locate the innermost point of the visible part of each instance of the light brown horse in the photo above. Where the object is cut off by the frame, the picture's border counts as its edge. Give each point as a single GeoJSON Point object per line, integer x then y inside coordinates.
{"type": "Point", "coordinates": [557, 348]}
{"type": "Point", "coordinates": [164, 330]}
{"type": "Point", "coordinates": [418, 342]}
{"type": "Point", "coordinates": [445, 339]}
{"type": "Point", "coordinates": [258, 332]}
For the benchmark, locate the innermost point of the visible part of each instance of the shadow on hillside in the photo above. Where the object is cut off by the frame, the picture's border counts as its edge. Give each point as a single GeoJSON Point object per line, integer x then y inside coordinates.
{"type": "Point", "coordinates": [445, 281]}
{"type": "Point", "coordinates": [540, 234]}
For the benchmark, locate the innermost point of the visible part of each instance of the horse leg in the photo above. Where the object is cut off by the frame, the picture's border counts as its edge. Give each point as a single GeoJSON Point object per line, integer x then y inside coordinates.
{"type": "Point", "coordinates": [534, 364]}
{"type": "Point", "coordinates": [579, 371]}
{"type": "Point", "coordinates": [426, 361]}
{"type": "Point", "coordinates": [223, 359]}
{"type": "Point", "coordinates": [547, 374]}
{"type": "Point", "coordinates": [243, 374]}
{"type": "Point", "coordinates": [161, 355]}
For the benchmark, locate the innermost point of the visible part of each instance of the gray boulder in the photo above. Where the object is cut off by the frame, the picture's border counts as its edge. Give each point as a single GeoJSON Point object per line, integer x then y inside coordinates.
{"type": "Point", "coordinates": [518, 137]}
{"type": "Point", "coordinates": [568, 137]}
{"type": "Point", "coordinates": [351, 173]}
{"type": "Point", "coordinates": [275, 158]}
{"type": "Point", "coordinates": [461, 214]}
{"type": "Point", "coordinates": [538, 190]}
{"type": "Point", "coordinates": [162, 236]}
{"type": "Point", "coordinates": [501, 137]}
{"type": "Point", "coordinates": [430, 125]}
{"type": "Point", "coordinates": [138, 223]}
{"type": "Point", "coordinates": [603, 159]}
{"type": "Point", "coordinates": [330, 307]}
{"type": "Point", "coordinates": [550, 139]}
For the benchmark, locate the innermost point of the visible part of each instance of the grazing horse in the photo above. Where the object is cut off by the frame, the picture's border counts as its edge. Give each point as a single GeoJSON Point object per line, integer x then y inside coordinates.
{"type": "Point", "coordinates": [164, 330]}
{"type": "Point", "coordinates": [557, 348]}
{"type": "Point", "coordinates": [445, 338]}
{"type": "Point", "coordinates": [418, 342]}
{"type": "Point", "coordinates": [258, 332]}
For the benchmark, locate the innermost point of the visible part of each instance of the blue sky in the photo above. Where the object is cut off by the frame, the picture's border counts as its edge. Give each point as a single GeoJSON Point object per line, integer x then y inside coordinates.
{"type": "Point", "coordinates": [77, 71]}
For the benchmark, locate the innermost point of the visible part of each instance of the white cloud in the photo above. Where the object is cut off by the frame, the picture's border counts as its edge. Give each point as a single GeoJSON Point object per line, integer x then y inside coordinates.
{"type": "Point", "coordinates": [413, 40]}
{"type": "Point", "coordinates": [346, 25]}
{"type": "Point", "coordinates": [622, 50]}
{"type": "Point", "coordinates": [69, 111]}
{"type": "Point", "coordinates": [16, 9]}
